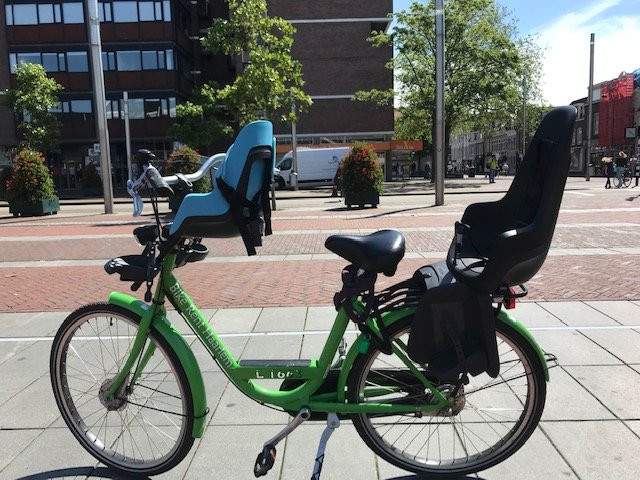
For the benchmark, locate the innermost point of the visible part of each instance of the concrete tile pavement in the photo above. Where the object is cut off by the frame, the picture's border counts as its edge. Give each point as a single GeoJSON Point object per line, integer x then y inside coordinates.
{"type": "Point", "coordinates": [590, 428]}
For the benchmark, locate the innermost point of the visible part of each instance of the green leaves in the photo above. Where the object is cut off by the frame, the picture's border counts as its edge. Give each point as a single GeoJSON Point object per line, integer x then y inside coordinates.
{"type": "Point", "coordinates": [197, 121]}
{"type": "Point", "coordinates": [270, 80]}
{"type": "Point", "coordinates": [484, 67]}
{"type": "Point", "coordinates": [30, 180]}
{"type": "Point", "coordinates": [35, 94]}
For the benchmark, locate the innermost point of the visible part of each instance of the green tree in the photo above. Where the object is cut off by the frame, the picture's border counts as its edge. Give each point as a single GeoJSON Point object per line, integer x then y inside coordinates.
{"type": "Point", "coordinates": [484, 67]}
{"type": "Point", "coordinates": [198, 120]}
{"type": "Point", "coordinates": [32, 100]}
{"type": "Point", "coordinates": [271, 80]}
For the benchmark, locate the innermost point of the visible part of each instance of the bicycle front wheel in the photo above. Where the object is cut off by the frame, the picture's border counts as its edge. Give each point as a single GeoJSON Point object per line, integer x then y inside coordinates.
{"type": "Point", "coordinates": [487, 421]}
{"type": "Point", "coordinates": [146, 428]}
{"type": "Point", "coordinates": [626, 181]}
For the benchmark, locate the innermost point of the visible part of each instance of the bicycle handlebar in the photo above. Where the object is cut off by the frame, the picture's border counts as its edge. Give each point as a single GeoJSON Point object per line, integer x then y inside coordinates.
{"type": "Point", "coordinates": [150, 177]}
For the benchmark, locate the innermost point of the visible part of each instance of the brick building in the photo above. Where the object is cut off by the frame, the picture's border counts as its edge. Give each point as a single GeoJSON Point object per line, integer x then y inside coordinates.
{"type": "Point", "coordinates": [151, 49]}
{"type": "Point", "coordinates": [331, 43]}
{"type": "Point", "coordinates": [615, 124]}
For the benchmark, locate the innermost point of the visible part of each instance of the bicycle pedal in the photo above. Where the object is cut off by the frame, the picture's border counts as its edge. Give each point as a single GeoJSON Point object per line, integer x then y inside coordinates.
{"type": "Point", "coordinates": [265, 461]}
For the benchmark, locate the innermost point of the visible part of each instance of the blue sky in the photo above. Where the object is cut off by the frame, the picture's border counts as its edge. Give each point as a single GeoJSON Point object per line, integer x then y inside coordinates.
{"type": "Point", "coordinates": [563, 28]}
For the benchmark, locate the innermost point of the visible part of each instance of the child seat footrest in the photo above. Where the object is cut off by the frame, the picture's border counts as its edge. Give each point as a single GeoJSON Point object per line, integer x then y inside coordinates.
{"type": "Point", "coordinates": [132, 268]}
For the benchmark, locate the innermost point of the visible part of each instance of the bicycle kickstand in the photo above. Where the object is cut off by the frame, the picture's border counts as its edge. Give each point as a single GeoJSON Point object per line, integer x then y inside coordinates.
{"type": "Point", "coordinates": [267, 457]}
{"type": "Point", "coordinates": [333, 422]}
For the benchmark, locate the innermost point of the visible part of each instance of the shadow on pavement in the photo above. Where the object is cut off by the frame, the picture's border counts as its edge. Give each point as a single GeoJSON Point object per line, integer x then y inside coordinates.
{"type": "Point", "coordinates": [100, 472]}
{"type": "Point", "coordinates": [416, 477]}
{"type": "Point", "coordinates": [392, 212]}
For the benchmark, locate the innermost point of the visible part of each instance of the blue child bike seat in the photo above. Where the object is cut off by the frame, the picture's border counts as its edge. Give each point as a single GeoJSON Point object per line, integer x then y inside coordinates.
{"type": "Point", "coordinates": [238, 202]}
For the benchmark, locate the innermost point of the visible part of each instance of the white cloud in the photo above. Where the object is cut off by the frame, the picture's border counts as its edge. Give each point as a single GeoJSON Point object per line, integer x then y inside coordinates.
{"type": "Point", "coordinates": [566, 62]}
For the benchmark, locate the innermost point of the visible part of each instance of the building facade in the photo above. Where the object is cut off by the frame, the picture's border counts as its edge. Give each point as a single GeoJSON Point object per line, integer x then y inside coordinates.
{"type": "Point", "coordinates": [615, 123]}
{"type": "Point", "coordinates": [337, 61]}
{"type": "Point", "coordinates": [151, 50]}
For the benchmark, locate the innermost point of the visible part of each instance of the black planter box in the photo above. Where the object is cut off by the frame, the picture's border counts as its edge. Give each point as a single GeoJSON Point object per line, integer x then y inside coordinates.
{"type": "Point", "coordinates": [361, 199]}
{"type": "Point", "coordinates": [44, 206]}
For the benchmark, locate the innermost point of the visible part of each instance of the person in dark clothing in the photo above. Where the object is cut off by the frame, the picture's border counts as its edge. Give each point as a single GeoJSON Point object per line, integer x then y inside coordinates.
{"type": "Point", "coordinates": [609, 172]}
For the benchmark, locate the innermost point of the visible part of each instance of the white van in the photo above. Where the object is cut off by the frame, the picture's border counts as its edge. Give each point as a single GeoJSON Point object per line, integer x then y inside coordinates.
{"type": "Point", "coordinates": [316, 166]}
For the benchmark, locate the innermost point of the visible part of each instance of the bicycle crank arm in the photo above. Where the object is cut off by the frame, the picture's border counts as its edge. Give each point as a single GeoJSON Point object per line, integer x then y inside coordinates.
{"type": "Point", "coordinates": [265, 460]}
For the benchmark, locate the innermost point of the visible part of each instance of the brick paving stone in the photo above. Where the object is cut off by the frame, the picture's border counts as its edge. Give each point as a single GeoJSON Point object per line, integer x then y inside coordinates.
{"type": "Point", "coordinates": [305, 242]}
{"type": "Point", "coordinates": [292, 283]}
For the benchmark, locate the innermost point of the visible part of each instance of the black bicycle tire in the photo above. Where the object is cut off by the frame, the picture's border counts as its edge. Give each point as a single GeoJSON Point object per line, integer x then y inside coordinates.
{"type": "Point", "coordinates": [360, 364]}
{"type": "Point", "coordinates": [186, 441]}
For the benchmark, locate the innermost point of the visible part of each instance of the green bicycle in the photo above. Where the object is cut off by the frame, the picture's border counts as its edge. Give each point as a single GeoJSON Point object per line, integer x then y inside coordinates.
{"type": "Point", "coordinates": [441, 381]}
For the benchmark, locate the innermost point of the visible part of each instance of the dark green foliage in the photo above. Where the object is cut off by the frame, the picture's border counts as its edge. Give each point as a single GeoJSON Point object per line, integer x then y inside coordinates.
{"type": "Point", "coordinates": [270, 81]}
{"type": "Point", "coordinates": [186, 160]}
{"type": "Point", "coordinates": [360, 171]}
{"type": "Point", "coordinates": [90, 177]}
{"type": "Point", "coordinates": [35, 95]}
{"type": "Point", "coordinates": [30, 180]}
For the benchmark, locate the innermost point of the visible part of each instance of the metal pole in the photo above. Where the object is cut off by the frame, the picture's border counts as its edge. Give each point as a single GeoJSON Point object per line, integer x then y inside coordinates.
{"type": "Point", "coordinates": [294, 145]}
{"type": "Point", "coordinates": [587, 173]}
{"type": "Point", "coordinates": [440, 127]}
{"type": "Point", "coordinates": [101, 114]}
{"type": "Point", "coordinates": [524, 116]}
{"type": "Point", "coordinates": [127, 132]}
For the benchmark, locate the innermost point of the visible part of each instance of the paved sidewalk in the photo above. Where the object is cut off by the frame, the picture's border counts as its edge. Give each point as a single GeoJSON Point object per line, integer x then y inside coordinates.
{"type": "Point", "coordinates": [590, 428]}
{"type": "Point", "coordinates": [591, 425]}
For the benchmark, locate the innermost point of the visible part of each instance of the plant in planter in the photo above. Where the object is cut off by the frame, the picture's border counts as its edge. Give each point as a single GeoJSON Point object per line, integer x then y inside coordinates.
{"type": "Point", "coordinates": [30, 190]}
{"type": "Point", "coordinates": [185, 160]}
{"type": "Point", "coordinates": [361, 176]}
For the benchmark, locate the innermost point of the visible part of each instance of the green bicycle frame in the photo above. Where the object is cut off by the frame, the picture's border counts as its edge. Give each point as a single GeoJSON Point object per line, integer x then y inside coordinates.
{"type": "Point", "coordinates": [310, 374]}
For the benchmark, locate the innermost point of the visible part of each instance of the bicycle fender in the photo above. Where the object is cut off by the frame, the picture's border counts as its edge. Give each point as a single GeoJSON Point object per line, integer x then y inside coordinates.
{"type": "Point", "coordinates": [182, 350]}
{"type": "Point", "coordinates": [505, 318]}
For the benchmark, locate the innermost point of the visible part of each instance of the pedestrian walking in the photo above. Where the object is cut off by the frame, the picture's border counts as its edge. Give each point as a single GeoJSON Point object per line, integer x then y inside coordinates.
{"type": "Point", "coordinates": [493, 165]}
{"type": "Point", "coordinates": [609, 170]}
{"type": "Point", "coordinates": [634, 165]}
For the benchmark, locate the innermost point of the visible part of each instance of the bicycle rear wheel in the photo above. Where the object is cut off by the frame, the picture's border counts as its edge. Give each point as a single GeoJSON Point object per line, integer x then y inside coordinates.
{"type": "Point", "coordinates": [486, 422]}
{"type": "Point", "coordinates": [146, 429]}
{"type": "Point", "coordinates": [626, 181]}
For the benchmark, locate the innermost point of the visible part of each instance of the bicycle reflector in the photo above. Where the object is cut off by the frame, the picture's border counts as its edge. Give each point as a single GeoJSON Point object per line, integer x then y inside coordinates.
{"type": "Point", "coordinates": [509, 301]}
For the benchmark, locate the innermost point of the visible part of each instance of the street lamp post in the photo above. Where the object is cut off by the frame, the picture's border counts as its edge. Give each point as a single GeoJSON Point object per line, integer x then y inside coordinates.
{"type": "Point", "coordinates": [101, 114]}
{"type": "Point", "coordinates": [587, 173]}
{"type": "Point", "coordinates": [440, 134]}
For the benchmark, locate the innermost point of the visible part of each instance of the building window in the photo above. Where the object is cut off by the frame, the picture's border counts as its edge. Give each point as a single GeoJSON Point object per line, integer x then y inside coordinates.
{"type": "Point", "coordinates": [105, 12]}
{"type": "Point", "coordinates": [81, 106]}
{"type": "Point", "coordinates": [43, 13]}
{"type": "Point", "coordinates": [136, 108]}
{"type": "Point", "coordinates": [108, 61]}
{"type": "Point", "coordinates": [579, 136]}
{"type": "Point", "coordinates": [114, 109]}
{"type": "Point", "coordinates": [152, 108]}
{"type": "Point", "coordinates": [77, 62]}
{"type": "Point", "coordinates": [72, 13]}
{"type": "Point", "coordinates": [73, 106]}
{"type": "Point", "coordinates": [52, 61]}
{"type": "Point", "coordinates": [150, 60]}
{"type": "Point", "coordinates": [132, 11]}
{"type": "Point", "coordinates": [25, 14]}
{"type": "Point", "coordinates": [128, 60]}
{"type": "Point", "coordinates": [124, 12]}
{"type": "Point", "coordinates": [596, 123]}
{"type": "Point", "coordinates": [136, 60]}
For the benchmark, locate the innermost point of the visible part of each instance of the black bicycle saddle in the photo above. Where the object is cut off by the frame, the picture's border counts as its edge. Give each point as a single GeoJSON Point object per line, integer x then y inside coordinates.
{"type": "Point", "coordinates": [378, 252]}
